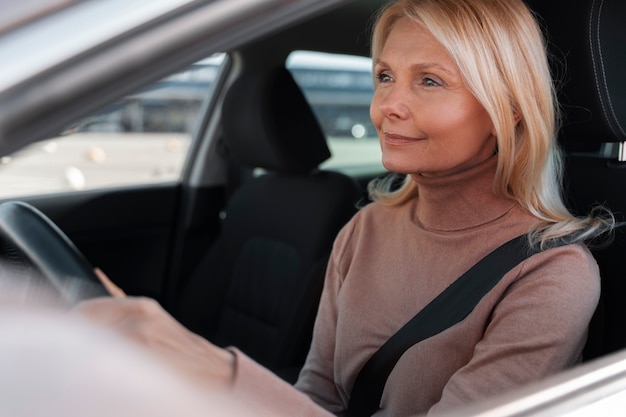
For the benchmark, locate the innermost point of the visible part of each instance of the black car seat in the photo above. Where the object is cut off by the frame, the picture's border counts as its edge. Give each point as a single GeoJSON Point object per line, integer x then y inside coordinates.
{"type": "Point", "coordinates": [259, 286]}
{"type": "Point", "coordinates": [587, 39]}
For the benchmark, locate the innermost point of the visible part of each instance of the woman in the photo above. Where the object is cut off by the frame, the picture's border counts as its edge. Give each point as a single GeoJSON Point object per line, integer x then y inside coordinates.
{"type": "Point", "coordinates": [464, 107]}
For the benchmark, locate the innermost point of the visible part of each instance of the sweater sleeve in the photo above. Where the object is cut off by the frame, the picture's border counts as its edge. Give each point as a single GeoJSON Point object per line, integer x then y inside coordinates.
{"type": "Point", "coordinates": [538, 327]}
{"type": "Point", "coordinates": [268, 395]}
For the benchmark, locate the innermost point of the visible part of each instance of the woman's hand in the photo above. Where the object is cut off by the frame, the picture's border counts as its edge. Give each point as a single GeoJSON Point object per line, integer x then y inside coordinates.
{"type": "Point", "coordinates": [113, 289]}
{"type": "Point", "coordinates": [145, 322]}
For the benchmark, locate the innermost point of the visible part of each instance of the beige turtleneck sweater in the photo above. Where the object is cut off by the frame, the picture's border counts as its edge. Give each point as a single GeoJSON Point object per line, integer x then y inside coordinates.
{"type": "Point", "coordinates": [389, 262]}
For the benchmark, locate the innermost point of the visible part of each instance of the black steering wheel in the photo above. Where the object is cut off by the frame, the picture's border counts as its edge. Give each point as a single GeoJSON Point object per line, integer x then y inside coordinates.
{"type": "Point", "coordinates": [30, 243]}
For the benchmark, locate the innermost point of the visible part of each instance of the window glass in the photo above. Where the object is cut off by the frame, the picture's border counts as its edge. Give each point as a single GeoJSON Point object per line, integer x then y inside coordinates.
{"type": "Point", "coordinates": [339, 89]}
{"type": "Point", "coordinates": [141, 139]}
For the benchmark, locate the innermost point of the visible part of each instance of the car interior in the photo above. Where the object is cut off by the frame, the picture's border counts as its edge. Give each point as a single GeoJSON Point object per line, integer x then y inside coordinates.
{"type": "Point", "coordinates": [590, 58]}
{"type": "Point", "coordinates": [265, 278]}
{"type": "Point", "coordinates": [239, 257]}
{"type": "Point", "coordinates": [586, 42]}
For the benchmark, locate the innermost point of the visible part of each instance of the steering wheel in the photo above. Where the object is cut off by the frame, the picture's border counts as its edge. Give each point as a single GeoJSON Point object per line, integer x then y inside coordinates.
{"type": "Point", "coordinates": [30, 243]}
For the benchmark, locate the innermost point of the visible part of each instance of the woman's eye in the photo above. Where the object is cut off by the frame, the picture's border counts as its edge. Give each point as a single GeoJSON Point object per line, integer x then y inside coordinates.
{"type": "Point", "coordinates": [383, 77]}
{"type": "Point", "coordinates": [430, 82]}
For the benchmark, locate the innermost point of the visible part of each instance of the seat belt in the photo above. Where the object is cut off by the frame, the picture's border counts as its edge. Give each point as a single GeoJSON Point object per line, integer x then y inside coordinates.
{"type": "Point", "coordinates": [450, 307]}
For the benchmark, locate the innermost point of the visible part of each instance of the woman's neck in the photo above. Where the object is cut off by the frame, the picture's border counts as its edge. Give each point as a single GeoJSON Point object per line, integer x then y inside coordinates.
{"type": "Point", "coordinates": [462, 200]}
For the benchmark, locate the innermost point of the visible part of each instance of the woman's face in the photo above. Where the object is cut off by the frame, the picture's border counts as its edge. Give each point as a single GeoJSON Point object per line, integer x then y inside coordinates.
{"type": "Point", "coordinates": [428, 122]}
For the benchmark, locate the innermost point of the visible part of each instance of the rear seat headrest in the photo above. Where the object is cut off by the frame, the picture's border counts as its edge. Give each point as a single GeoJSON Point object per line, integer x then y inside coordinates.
{"type": "Point", "coordinates": [269, 124]}
{"type": "Point", "coordinates": [589, 36]}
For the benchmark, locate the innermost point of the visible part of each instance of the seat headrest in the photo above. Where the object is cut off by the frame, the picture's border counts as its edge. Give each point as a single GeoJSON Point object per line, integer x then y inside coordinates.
{"type": "Point", "coordinates": [589, 38]}
{"type": "Point", "coordinates": [269, 124]}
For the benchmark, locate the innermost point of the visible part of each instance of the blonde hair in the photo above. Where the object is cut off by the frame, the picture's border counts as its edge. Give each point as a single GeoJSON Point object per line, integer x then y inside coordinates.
{"type": "Point", "coordinates": [500, 51]}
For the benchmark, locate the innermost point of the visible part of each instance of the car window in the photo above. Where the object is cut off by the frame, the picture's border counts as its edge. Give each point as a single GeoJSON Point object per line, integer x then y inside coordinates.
{"type": "Point", "coordinates": [140, 139]}
{"type": "Point", "coordinates": [144, 138]}
{"type": "Point", "coordinates": [339, 89]}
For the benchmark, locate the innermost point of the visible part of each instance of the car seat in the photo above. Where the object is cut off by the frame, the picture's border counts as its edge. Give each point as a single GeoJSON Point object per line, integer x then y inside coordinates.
{"type": "Point", "coordinates": [259, 286]}
{"type": "Point", "coordinates": [587, 40]}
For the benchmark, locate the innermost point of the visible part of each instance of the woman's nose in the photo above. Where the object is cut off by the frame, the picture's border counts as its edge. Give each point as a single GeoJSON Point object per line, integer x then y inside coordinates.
{"type": "Point", "coordinates": [393, 103]}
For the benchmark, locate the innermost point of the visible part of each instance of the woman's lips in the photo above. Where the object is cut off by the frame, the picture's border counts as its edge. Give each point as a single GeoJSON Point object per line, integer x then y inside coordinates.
{"type": "Point", "coordinates": [394, 139]}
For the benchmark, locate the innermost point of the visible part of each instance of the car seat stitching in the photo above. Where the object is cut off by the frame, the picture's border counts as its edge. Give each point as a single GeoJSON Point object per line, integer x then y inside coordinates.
{"type": "Point", "coordinates": [600, 72]}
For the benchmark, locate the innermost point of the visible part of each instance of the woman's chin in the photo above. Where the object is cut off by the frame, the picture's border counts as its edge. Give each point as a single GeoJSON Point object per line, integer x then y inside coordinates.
{"type": "Point", "coordinates": [399, 166]}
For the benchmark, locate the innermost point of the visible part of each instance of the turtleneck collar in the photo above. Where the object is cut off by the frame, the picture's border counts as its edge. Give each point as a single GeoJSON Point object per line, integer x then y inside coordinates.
{"type": "Point", "coordinates": [460, 201]}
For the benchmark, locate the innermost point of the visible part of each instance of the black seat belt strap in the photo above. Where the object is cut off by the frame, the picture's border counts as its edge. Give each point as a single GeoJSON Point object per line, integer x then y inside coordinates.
{"type": "Point", "coordinates": [448, 308]}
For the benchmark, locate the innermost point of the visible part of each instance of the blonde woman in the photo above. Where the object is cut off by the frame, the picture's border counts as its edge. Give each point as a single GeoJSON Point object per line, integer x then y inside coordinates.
{"type": "Point", "coordinates": [464, 107]}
